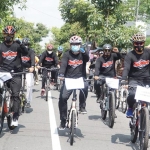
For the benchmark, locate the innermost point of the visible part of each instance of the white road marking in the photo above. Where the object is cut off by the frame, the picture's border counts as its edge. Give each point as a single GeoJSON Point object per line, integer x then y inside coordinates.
{"type": "Point", "coordinates": [53, 126]}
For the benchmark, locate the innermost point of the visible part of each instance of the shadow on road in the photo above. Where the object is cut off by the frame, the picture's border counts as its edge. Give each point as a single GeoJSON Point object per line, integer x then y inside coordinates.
{"type": "Point", "coordinates": [16, 130]}
{"type": "Point", "coordinates": [35, 90]}
{"type": "Point", "coordinates": [29, 110]}
{"type": "Point", "coordinates": [94, 117]}
{"type": "Point", "coordinates": [125, 140]}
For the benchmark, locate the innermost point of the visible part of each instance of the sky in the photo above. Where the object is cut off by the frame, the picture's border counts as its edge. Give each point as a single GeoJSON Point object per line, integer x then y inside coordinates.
{"type": "Point", "coordinates": [41, 11]}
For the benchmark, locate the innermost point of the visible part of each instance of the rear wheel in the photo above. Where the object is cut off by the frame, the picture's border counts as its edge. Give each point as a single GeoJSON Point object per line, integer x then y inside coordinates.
{"type": "Point", "coordinates": [124, 101]}
{"type": "Point", "coordinates": [1, 113]}
{"type": "Point", "coordinates": [111, 109]}
{"type": "Point", "coordinates": [72, 127]}
{"type": "Point", "coordinates": [144, 129]}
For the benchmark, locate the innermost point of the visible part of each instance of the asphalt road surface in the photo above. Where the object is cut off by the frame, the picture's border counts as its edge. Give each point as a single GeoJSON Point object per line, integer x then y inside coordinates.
{"type": "Point", "coordinates": [38, 128]}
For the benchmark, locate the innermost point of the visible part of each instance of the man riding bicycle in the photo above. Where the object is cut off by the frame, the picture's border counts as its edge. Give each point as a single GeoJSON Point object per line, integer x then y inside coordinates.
{"type": "Point", "coordinates": [28, 61]}
{"type": "Point", "coordinates": [48, 60]}
{"type": "Point", "coordinates": [73, 65]}
{"type": "Point", "coordinates": [105, 66]}
{"type": "Point", "coordinates": [10, 60]}
{"type": "Point", "coordinates": [136, 68]}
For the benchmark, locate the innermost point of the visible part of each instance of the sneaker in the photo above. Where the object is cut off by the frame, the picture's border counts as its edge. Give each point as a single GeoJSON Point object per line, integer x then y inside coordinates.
{"type": "Point", "coordinates": [36, 83]}
{"type": "Point", "coordinates": [28, 105]}
{"type": "Point", "coordinates": [42, 92]}
{"type": "Point", "coordinates": [14, 122]}
{"type": "Point", "coordinates": [129, 113]}
{"type": "Point", "coordinates": [82, 110]}
{"type": "Point", "coordinates": [62, 124]}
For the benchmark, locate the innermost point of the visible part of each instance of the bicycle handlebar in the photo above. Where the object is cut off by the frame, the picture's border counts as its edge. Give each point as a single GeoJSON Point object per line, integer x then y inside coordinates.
{"type": "Point", "coordinates": [49, 69]}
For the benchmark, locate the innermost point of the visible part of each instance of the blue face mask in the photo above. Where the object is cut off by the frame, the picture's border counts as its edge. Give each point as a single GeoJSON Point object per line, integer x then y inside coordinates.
{"type": "Point", "coordinates": [75, 48]}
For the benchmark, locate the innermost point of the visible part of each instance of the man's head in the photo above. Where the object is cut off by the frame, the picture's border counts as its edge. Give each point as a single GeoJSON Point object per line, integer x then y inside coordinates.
{"type": "Point", "coordinates": [107, 48]}
{"type": "Point", "coordinates": [26, 42]}
{"type": "Point", "coordinates": [138, 41]}
{"type": "Point", "coordinates": [8, 34]}
{"type": "Point", "coordinates": [50, 48]}
{"type": "Point", "coordinates": [75, 44]}
{"type": "Point", "coordinates": [60, 49]}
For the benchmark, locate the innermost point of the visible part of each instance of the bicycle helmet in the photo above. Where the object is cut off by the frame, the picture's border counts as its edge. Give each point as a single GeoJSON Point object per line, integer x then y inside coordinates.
{"type": "Point", "coordinates": [9, 30]}
{"type": "Point", "coordinates": [107, 46]}
{"type": "Point", "coordinates": [60, 48]}
{"type": "Point", "coordinates": [123, 51]}
{"type": "Point", "coordinates": [139, 37]}
{"type": "Point", "coordinates": [26, 41]}
{"type": "Point", "coordinates": [75, 39]}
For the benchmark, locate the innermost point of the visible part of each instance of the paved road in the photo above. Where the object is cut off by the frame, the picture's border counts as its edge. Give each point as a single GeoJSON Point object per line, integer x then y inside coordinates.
{"type": "Point", "coordinates": [38, 129]}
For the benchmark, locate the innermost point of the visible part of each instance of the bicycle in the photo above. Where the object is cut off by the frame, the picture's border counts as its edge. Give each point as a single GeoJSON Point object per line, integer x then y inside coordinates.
{"type": "Point", "coordinates": [6, 102]}
{"type": "Point", "coordinates": [49, 80]}
{"type": "Point", "coordinates": [140, 122]}
{"type": "Point", "coordinates": [107, 102]}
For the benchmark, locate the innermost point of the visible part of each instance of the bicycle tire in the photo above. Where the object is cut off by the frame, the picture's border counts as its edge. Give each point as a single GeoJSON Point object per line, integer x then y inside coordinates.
{"type": "Point", "coordinates": [134, 132]}
{"type": "Point", "coordinates": [117, 100]}
{"type": "Point", "coordinates": [144, 128]}
{"type": "Point", "coordinates": [111, 109]}
{"type": "Point", "coordinates": [1, 113]}
{"type": "Point", "coordinates": [72, 127]}
{"type": "Point", "coordinates": [47, 89]}
{"type": "Point", "coordinates": [124, 102]}
{"type": "Point", "coordinates": [9, 120]}
{"type": "Point", "coordinates": [91, 88]}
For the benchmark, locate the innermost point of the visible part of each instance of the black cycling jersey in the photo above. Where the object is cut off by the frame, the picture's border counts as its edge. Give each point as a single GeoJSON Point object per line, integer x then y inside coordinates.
{"type": "Point", "coordinates": [74, 66]}
{"type": "Point", "coordinates": [48, 60]}
{"type": "Point", "coordinates": [10, 56]}
{"type": "Point", "coordinates": [137, 65]}
{"type": "Point", "coordinates": [106, 66]}
{"type": "Point", "coordinates": [28, 60]}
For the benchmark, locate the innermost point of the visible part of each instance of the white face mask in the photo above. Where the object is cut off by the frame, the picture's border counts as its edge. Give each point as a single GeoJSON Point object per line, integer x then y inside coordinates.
{"type": "Point", "coordinates": [50, 52]}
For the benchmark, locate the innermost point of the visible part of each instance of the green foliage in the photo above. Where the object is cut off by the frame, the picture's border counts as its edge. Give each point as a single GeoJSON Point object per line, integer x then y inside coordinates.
{"type": "Point", "coordinates": [147, 41]}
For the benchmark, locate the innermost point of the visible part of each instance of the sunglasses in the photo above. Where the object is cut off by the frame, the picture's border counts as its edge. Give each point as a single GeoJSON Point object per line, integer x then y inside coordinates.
{"type": "Point", "coordinates": [107, 50]}
{"type": "Point", "coordinates": [139, 43]}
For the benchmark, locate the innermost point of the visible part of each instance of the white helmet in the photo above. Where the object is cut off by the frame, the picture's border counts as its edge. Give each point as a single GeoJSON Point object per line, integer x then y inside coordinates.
{"type": "Point", "coordinates": [75, 39]}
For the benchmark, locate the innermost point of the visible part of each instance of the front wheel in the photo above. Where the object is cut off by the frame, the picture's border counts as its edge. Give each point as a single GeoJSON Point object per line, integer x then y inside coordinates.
{"type": "Point", "coordinates": [144, 128]}
{"type": "Point", "coordinates": [111, 109]}
{"type": "Point", "coordinates": [1, 113]}
{"type": "Point", "coordinates": [9, 120]}
{"type": "Point", "coordinates": [72, 127]}
{"type": "Point", "coordinates": [47, 89]}
{"type": "Point", "coordinates": [124, 101]}
{"type": "Point", "coordinates": [117, 99]}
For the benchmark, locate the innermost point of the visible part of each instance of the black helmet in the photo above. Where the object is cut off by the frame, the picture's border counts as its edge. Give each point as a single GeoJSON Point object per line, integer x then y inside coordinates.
{"type": "Point", "coordinates": [107, 46]}
{"type": "Point", "coordinates": [9, 30]}
{"type": "Point", "coordinates": [26, 41]}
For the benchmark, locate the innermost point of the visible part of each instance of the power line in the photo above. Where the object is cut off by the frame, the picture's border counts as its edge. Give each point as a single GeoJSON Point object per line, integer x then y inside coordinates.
{"type": "Point", "coordinates": [44, 13]}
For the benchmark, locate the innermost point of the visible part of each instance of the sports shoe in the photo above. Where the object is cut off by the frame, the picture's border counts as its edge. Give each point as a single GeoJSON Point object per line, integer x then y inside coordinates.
{"type": "Point", "coordinates": [14, 122]}
{"type": "Point", "coordinates": [82, 110]}
{"type": "Point", "coordinates": [36, 83]}
{"type": "Point", "coordinates": [28, 105]}
{"type": "Point", "coordinates": [129, 113]}
{"type": "Point", "coordinates": [62, 124]}
{"type": "Point", "coordinates": [42, 92]}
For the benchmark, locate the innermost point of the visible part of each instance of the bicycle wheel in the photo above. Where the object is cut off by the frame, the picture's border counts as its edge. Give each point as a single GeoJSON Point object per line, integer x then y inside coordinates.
{"type": "Point", "coordinates": [111, 109]}
{"type": "Point", "coordinates": [47, 89]}
{"type": "Point", "coordinates": [144, 128]}
{"type": "Point", "coordinates": [91, 88]}
{"type": "Point", "coordinates": [1, 113]}
{"type": "Point", "coordinates": [72, 127]}
{"type": "Point", "coordinates": [134, 130]}
{"type": "Point", "coordinates": [117, 99]}
{"type": "Point", "coordinates": [124, 101]}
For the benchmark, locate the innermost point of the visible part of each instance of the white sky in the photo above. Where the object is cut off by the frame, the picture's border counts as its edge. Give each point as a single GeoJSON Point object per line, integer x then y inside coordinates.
{"type": "Point", "coordinates": [41, 11]}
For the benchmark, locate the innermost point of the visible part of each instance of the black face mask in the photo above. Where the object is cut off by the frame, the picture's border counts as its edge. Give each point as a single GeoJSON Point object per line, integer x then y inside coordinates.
{"type": "Point", "coordinates": [139, 48]}
{"type": "Point", "coordinates": [8, 39]}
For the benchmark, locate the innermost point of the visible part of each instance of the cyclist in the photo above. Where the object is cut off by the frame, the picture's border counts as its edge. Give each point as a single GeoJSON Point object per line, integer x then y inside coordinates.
{"type": "Point", "coordinates": [72, 66]}
{"type": "Point", "coordinates": [119, 66]}
{"type": "Point", "coordinates": [48, 59]}
{"type": "Point", "coordinates": [28, 62]}
{"type": "Point", "coordinates": [137, 68]}
{"type": "Point", "coordinates": [10, 59]}
{"type": "Point", "coordinates": [105, 66]}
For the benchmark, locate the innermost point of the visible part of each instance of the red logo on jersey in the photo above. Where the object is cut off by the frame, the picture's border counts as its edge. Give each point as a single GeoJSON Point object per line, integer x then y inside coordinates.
{"type": "Point", "coordinates": [107, 64]}
{"type": "Point", "coordinates": [75, 63]}
{"type": "Point", "coordinates": [9, 55]}
{"type": "Point", "coordinates": [25, 59]}
{"type": "Point", "coordinates": [49, 59]}
{"type": "Point", "coordinates": [141, 63]}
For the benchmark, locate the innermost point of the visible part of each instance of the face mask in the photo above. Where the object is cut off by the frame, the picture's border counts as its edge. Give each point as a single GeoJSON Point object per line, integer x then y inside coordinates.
{"type": "Point", "coordinates": [139, 48]}
{"type": "Point", "coordinates": [8, 39]}
{"type": "Point", "coordinates": [50, 52]}
{"type": "Point", "coordinates": [75, 48]}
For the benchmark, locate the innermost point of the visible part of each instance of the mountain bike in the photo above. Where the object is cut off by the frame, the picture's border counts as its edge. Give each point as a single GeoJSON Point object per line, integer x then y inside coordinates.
{"type": "Point", "coordinates": [6, 102]}
{"type": "Point", "coordinates": [139, 123]}
{"type": "Point", "coordinates": [107, 102]}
